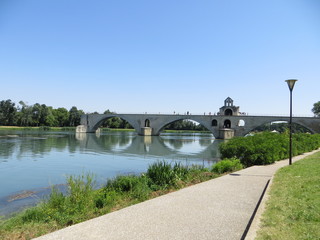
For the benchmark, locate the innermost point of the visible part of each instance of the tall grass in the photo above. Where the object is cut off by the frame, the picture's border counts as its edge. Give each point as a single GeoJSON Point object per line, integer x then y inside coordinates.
{"type": "Point", "coordinates": [162, 174]}
{"type": "Point", "coordinates": [82, 201]}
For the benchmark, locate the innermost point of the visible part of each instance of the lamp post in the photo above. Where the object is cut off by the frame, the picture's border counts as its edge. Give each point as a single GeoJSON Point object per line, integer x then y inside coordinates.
{"type": "Point", "coordinates": [290, 83]}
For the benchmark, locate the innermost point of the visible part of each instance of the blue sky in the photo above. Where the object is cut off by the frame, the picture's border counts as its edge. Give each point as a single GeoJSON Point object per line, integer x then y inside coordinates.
{"type": "Point", "coordinates": [161, 56]}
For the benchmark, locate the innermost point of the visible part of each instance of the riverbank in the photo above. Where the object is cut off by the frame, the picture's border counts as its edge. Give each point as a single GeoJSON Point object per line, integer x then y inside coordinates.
{"type": "Point", "coordinates": [83, 202]}
{"type": "Point", "coordinates": [42, 128]}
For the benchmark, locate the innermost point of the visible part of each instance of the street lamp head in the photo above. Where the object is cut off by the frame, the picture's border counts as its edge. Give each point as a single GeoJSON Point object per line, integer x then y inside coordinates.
{"type": "Point", "coordinates": [291, 83]}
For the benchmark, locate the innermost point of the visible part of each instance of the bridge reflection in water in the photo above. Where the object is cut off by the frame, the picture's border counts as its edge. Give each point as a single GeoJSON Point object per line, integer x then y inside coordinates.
{"type": "Point", "coordinates": [196, 147]}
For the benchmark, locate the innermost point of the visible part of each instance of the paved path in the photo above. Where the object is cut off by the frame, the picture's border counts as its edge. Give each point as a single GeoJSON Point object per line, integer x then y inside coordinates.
{"type": "Point", "coordinates": [221, 208]}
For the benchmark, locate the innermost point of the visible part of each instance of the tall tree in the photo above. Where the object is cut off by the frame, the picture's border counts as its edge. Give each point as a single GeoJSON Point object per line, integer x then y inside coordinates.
{"type": "Point", "coordinates": [36, 114]}
{"type": "Point", "coordinates": [62, 116]}
{"type": "Point", "coordinates": [43, 115]}
{"type": "Point", "coordinates": [74, 116]}
{"type": "Point", "coordinates": [316, 109]}
{"type": "Point", "coordinates": [50, 119]}
{"type": "Point", "coordinates": [8, 112]}
{"type": "Point", "coordinates": [25, 115]}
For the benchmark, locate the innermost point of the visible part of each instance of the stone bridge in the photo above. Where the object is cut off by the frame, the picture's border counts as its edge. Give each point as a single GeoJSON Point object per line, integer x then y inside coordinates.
{"type": "Point", "coordinates": [228, 122]}
{"type": "Point", "coordinates": [220, 126]}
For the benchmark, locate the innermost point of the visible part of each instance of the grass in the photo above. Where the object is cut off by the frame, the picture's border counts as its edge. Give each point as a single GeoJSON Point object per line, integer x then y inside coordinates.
{"type": "Point", "coordinates": [83, 201]}
{"type": "Point", "coordinates": [293, 209]}
{"type": "Point", "coordinates": [41, 128]}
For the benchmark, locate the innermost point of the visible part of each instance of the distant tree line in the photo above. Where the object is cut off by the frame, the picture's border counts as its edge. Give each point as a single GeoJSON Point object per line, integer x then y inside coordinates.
{"type": "Point", "coordinates": [37, 115]}
{"type": "Point", "coordinates": [185, 125]}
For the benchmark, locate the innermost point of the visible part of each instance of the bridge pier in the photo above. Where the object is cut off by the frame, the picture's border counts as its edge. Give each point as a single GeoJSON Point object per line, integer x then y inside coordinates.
{"type": "Point", "coordinates": [86, 129]}
{"type": "Point", "coordinates": [81, 129]}
{"type": "Point", "coordinates": [146, 131]}
{"type": "Point", "coordinates": [226, 133]}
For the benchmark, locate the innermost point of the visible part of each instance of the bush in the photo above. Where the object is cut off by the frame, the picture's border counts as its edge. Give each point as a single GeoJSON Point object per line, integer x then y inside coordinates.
{"type": "Point", "coordinates": [266, 148]}
{"type": "Point", "coordinates": [123, 183]}
{"type": "Point", "coordinates": [163, 175]}
{"type": "Point", "coordinates": [227, 165]}
{"type": "Point", "coordinates": [138, 186]}
{"type": "Point", "coordinates": [68, 209]}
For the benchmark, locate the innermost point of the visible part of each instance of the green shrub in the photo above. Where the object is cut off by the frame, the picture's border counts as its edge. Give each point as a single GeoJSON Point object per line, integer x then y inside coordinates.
{"type": "Point", "coordinates": [227, 165]}
{"type": "Point", "coordinates": [123, 183]}
{"type": "Point", "coordinates": [138, 186]}
{"type": "Point", "coordinates": [266, 148]}
{"type": "Point", "coordinates": [163, 175]}
{"type": "Point", "coordinates": [70, 208]}
{"type": "Point", "coordinates": [106, 198]}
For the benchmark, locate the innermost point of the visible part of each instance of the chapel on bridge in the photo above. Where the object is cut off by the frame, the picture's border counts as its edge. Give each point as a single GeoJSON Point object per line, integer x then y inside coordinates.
{"type": "Point", "coordinates": [229, 109]}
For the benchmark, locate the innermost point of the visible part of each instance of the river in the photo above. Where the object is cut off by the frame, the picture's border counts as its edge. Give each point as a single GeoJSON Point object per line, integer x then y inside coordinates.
{"type": "Point", "coordinates": [31, 161]}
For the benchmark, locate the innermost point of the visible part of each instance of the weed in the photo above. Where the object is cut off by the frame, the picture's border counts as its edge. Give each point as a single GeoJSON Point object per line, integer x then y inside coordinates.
{"type": "Point", "coordinates": [227, 165]}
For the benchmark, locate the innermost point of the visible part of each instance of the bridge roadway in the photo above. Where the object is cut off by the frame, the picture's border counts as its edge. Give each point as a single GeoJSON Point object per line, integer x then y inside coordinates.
{"type": "Point", "coordinates": [153, 124]}
{"type": "Point", "coordinates": [222, 208]}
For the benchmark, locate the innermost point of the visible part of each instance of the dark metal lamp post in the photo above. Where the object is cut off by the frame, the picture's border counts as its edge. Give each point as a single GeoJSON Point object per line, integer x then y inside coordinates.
{"type": "Point", "coordinates": [290, 83]}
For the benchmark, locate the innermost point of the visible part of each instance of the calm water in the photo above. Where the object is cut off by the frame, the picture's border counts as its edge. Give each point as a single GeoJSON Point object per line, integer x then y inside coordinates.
{"type": "Point", "coordinates": [31, 162]}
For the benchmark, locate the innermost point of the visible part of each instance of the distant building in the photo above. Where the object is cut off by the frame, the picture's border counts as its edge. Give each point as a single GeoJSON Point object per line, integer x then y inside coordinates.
{"type": "Point", "coordinates": [228, 109]}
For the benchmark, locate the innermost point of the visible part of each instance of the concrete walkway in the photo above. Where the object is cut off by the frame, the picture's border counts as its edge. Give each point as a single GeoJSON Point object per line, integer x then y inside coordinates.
{"type": "Point", "coordinates": [222, 208]}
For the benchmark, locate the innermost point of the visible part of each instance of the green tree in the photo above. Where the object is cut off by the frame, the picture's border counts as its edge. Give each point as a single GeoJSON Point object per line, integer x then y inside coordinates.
{"type": "Point", "coordinates": [25, 115]}
{"type": "Point", "coordinates": [36, 114]}
{"type": "Point", "coordinates": [43, 115]}
{"type": "Point", "coordinates": [61, 116]}
{"type": "Point", "coordinates": [50, 119]}
{"type": "Point", "coordinates": [8, 112]}
{"type": "Point", "coordinates": [74, 116]}
{"type": "Point", "coordinates": [316, 109]}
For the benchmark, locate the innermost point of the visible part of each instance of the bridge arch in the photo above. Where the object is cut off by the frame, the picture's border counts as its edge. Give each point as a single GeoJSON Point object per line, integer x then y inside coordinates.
{"type": "Point", "coordinates": [241, 123]}
{"type": "Point", "coordinates": [214, 123]}
{"type": "Point", "coordinates": [205, 124]}
{"type": "Point", "coordinates": [261, 123]}
{"type": "Point", "coordinates": [104, 117]}
{"type": "Point", "coordinates": [227, 123]}
{"type": "Point", "coordinates": [228, 112]}
{"type": "Point", "coordinates": [147, 123]}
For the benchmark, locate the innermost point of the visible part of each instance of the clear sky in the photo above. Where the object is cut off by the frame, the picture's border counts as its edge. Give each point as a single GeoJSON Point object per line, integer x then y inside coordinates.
{"type": "Point", "coordinates": [161, 56]}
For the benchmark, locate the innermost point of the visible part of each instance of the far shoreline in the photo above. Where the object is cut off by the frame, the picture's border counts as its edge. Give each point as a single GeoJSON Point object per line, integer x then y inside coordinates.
{"type": "Point", "coordinates": [46, 128]}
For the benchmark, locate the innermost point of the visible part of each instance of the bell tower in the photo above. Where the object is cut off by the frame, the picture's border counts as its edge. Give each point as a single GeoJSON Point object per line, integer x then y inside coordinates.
{"type": "Point", "coordinates": [229, 109]}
